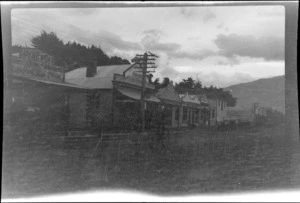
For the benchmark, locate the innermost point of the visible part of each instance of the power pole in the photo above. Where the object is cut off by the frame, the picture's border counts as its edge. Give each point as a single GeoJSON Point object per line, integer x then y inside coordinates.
{"type": "Point", "coordinates": [146, 61]}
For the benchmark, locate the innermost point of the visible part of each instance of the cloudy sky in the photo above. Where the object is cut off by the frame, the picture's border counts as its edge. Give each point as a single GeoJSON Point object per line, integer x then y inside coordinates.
{"type": "Point", "coordinates": [219, 46]}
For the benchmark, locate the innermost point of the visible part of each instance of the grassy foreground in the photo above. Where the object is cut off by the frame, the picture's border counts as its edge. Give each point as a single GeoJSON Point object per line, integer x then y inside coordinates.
{"type": "Point", "coordinates": [193, 161]}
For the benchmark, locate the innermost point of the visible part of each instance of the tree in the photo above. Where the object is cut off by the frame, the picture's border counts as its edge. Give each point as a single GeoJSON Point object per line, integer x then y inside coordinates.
{"type": "Point", "coordinates": [186, 85]}
{"type": "Point", "coordinates": [165, 83]}
{"type": "Point", "coordinates": [195, 87]}
{"type": "Point", "coordinates": [72, 55]}
{"type": "Point", "coordinates": [115, 60]}
{"type": "Point", "coordinates": [156, 83]}
{"type": "Point", "coordinates": [51, 44]}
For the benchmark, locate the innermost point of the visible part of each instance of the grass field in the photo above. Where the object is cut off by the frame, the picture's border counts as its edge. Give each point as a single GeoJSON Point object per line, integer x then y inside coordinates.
{"type": "Point", "coordinates": [193, 161]}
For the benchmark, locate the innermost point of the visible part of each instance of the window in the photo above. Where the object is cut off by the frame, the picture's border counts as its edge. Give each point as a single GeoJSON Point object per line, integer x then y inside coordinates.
{"type": "Point", "coordinates": [222, 106]}
{"type": "Point", "coordinates": [213, 113]}
{"type": "Point", "coordinates": [177, 114]}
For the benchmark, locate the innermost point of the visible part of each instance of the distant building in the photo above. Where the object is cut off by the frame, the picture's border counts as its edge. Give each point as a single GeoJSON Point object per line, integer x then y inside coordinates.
{"type": "Point", "coordinates": [172, 102]}
{"type": "Point", "coordinates": [221, 110]}
{"type": "Point", "coordinates": [213, 111]}
{"type": "Point", "coordinates": [204, 118]}
{"type": "Point", "coordinates": [190, 110]}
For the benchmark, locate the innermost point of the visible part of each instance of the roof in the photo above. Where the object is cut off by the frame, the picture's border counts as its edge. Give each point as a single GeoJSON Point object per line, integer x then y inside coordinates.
{"type": "Point", "coordinates": [50, 82]}
{"type": "Point", "coordinates": [189, 98]}
{"type": "Point", "coordinates": [102, 79]}
{"type": "Point", "coordinates": [169, 94]}
{"type": "Point", "coordinates": [202, 98]}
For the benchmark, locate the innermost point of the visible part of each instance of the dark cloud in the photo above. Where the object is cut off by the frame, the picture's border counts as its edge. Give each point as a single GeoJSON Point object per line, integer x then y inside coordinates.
{"type": "Point", "coordinates": [269, 48]}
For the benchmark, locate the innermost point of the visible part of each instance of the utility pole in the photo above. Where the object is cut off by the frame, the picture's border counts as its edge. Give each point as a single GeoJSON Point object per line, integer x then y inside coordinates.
{"type": "Point", "coordinates": [145, 61]}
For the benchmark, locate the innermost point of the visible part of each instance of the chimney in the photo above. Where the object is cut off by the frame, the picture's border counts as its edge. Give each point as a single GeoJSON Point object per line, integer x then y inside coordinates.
{"type": "Point", "coordinates": [91, 69]}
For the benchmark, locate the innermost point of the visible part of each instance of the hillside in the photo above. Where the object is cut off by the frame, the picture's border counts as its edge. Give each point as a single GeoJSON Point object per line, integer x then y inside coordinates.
{"type": "Point", "coordinates": [269, 92]}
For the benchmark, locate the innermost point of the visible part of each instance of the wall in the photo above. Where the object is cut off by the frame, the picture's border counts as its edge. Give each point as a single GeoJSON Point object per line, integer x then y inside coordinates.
{"type": "Point", "coordinates": [37, 101]}
{"type": "Point", "coordinates": [77, 109]}
{"type": "Point", "coordinates": [102, 109]}
{"type": "Point", "coordinates": [91, 109]}
{"type": "Point", "coordinates": [221, 110]}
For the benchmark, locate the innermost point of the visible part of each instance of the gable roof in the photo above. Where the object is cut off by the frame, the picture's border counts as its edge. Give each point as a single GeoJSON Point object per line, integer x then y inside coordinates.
{"type": "Point", "coordinates": [168, 94]}
{"type": "Point", "coordinates": [189, 98]}
{"type": "Point", "coordinates": [102, 79]}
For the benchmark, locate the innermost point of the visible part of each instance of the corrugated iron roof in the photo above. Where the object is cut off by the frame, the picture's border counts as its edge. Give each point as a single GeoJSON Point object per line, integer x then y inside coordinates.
{"type": "Point", "coordinates": [102, 79]}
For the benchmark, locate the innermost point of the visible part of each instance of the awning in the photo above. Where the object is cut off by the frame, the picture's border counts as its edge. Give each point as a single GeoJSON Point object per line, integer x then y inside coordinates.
{"type": "Point", "coordinates": [174, 103]}
{"type": "Point", "coordinates": [136, 94]}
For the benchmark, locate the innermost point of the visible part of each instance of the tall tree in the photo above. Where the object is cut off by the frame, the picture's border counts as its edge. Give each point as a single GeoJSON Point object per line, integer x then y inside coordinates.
{"type": "Point", "coordinates": [72, 55]}
{"type": "Point", "coordinates": [51, 44]}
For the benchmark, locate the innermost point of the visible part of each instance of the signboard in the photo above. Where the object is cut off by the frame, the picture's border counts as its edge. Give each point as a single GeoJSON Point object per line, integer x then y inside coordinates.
{"type": "Point", "coordinates": [35, 64]}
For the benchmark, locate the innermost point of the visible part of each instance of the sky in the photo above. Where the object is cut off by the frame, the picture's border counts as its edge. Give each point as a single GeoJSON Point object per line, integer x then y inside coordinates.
{"type": "Point", "coordinates": [219, 46]}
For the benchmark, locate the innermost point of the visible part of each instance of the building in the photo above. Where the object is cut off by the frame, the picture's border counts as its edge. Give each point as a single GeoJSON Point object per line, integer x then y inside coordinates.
{"type": "Point", "coordinates": [172, 102]}
{"type": "Point", "coordinates": [190, 110]}
{"type": "Point", "coordinates": [204, 109]}
{"type": "Point", "coordinates": [212, 111]}
{"type": "Point", "coordinates": [115, 100]}
{"type": "Point", "coordinates": [93, 98]}
{"type": "Point", "coordinates": [39, 91]}
{"type": "Point", "coordinates": [221, 110]}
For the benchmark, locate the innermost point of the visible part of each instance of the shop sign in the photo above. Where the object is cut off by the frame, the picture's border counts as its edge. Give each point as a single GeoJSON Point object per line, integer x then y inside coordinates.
{"type": "Point", "coordinates": [35, 64]}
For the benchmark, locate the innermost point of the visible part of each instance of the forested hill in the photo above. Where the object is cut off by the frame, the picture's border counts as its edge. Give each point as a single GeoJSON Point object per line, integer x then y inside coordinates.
{"type": "Point", "coordinates": [269, 92]}
{"type": "Point", "coordinates": [71, 55]}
